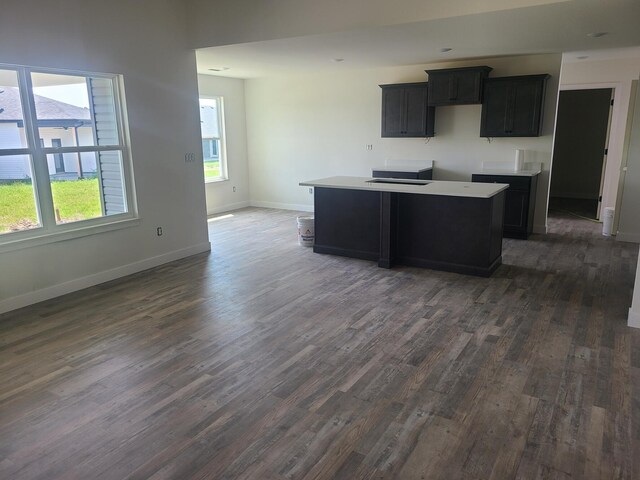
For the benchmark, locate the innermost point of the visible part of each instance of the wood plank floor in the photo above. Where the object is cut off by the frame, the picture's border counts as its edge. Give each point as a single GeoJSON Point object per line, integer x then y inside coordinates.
{"type": "Point", "coordinates": [263, 360]}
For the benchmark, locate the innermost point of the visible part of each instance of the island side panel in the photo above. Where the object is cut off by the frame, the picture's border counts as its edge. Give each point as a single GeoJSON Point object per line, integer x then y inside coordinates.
{"type": "Point", "coordinates": [388, 229]}
{"type": "Point", "coordinates": [347, 222]}
{"type": "Point", "coordinates": [497, 227]}
{"type": "Point", "coordinates": [456, 234]}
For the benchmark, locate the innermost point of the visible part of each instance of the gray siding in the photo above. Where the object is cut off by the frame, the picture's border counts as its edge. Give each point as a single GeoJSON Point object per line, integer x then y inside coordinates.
{"type": "Point", "coordinates": [106, 133]}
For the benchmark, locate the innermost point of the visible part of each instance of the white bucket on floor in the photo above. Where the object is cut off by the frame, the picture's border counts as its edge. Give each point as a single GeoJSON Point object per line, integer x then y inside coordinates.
{"type": "Point", "coordinates": [607, 221]}
{"type": "Point", "coordinates": [306, 233]}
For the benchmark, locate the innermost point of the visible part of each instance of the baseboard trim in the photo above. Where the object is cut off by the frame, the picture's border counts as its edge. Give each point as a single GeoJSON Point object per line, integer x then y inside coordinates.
{"type": "Point", "coordinates": [628, 237]}
{"type": "Point", "coordinates": [634, 319]}
{"type": "Point", "coordinates": [228, 207]}
{"type": "Point", "coordinates": [346, 252]}
{"type": "Point", "coordinates": [282, 206]}
{"type": "Point", "coordinates": [53, 291]}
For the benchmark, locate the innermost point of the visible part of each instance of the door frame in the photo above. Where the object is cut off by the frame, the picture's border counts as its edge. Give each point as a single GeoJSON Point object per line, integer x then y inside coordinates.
{"type": "Point", "coordinates": [606, 155]}
{"type": "Point", "coordinates": [611, 169]}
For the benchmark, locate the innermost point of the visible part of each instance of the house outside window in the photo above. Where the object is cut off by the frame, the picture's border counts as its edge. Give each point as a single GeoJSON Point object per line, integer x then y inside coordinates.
{"type": "Point", "coordinates": [213, 142]}
{"type": "Point", "coordinates": [63, 157]}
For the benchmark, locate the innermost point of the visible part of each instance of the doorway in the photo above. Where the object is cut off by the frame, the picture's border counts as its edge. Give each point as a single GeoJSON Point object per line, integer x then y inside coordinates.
{"type": "Point", "coordinates": [58, 158]}
{"type": "Point", "coordinates": [580, 151]}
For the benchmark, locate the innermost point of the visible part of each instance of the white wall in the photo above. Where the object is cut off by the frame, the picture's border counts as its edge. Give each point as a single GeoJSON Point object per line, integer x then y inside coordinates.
{"type": "Point", "coordinates": [145, 41]}
{"type": "Point", "coordinates": [617, 73]}
{"type": "Point", "coordinates": [220, 195]}
{"type": "Point", "coordinates": [629, 228]}
{"type": "Point", "coordinates": [312, 126]}
{"type": "Point", "coordinates": [634, 311]}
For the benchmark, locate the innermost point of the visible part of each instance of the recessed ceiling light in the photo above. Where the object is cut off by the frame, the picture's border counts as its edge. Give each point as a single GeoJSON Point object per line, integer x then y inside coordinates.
{"type": "Point", "coordinates": [597, 34]}
{"type": "Point", "coordinates": [337, 60]}
{"type": "Point", "coordinates": [219, 69]}
{"type": "Point", "coordinates": [582, 57]}
{"type": "Point", "coordinates": [445, 50]}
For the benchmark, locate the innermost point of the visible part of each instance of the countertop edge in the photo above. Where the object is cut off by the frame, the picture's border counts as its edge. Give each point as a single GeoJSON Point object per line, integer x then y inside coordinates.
{"type": "Point", "coordinates": [509, 173]}
{"type": "Point", "coordinates": [330, 182]}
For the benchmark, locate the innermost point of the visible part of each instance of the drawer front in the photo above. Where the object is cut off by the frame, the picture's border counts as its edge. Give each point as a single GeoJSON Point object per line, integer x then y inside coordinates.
{"type": "Point", "coordinates": [515, 182]}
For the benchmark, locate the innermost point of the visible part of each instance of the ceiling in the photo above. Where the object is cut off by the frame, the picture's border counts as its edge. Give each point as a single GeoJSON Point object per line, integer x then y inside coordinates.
{"type": "Point", "coordinates": [549, 28]}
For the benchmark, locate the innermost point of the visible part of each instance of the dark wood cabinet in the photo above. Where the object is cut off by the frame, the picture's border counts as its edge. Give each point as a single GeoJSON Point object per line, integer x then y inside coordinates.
{"type": "Point", "coordinates": [424, 174]}
{"type": "Point", "coordinates": [457, 86]}
{"type": "Point", "coordinates": [405, 112]}
{"type": "Point", "coordinates": [441, 232]}
{"type": "Point", "coordinates": [512, 106]}
{"type": "Point", "coordinates": [519, 203]}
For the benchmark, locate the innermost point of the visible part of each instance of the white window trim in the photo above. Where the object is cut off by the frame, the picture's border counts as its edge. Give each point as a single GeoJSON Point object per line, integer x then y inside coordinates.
{"type": "Point", "coordinates": [224, 171]}
{"type": "Point", "coordinates": [50, 231]}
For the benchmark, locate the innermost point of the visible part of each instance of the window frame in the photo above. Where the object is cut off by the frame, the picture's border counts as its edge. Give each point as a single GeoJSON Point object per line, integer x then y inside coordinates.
{"type": "Point", "coordinates": [222, 154]}
{"type": "Point", "coordinates": [49, 230]}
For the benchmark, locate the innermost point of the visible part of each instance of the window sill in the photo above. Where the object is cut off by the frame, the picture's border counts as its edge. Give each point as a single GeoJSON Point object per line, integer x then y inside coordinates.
{"type": "Point", "coordinates": [39, 238]}
{"type": "Point", "coordinates": [216, 180]}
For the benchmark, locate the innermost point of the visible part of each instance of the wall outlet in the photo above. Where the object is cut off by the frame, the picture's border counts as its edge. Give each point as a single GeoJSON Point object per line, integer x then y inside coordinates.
{"type": "Point", "coordinates": [159, 231]}
{"type": "Point", "coordinates": [189, 157]}
{"type": "Point", "coordinates": [369, 147]}
{"type": "Point", "coordinates": [311, 190]}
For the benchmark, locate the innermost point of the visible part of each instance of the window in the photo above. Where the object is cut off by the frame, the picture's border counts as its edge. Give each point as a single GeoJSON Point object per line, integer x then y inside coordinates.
{"type": "Point", "coordinates": [213, 145]}
{"type": "Point", "coordinates": [62, 152]}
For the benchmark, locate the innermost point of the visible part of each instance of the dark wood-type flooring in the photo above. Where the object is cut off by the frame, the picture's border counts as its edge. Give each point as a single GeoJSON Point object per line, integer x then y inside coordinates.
{"type": "Point", "coordinates": [263, 360]}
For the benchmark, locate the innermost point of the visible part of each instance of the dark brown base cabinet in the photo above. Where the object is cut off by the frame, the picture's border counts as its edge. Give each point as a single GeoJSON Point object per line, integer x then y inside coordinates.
{"type": "Point", "coordinates": [512, 106]}
{"type": "Point", "coordinates": [519, 204]}
{"type": "Point", "coordinates": [455, 234]}
{"type": "Point", "coordinates": [405, 112]}
{"type": "Point", "coordinates": [426, 174]}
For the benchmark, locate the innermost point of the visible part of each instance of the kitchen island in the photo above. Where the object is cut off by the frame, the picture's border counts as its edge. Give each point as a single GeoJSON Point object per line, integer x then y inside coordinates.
{"type": "Point", "coordinates": [452, 226]}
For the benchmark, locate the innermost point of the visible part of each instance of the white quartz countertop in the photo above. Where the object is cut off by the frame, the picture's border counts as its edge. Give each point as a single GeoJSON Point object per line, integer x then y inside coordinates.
{"type": "Point", "coordinates": [404, 168]}
{"type": "Point", "coordinates": [501, 171]}
{"type": "Point", "coordinates": [425, 187]}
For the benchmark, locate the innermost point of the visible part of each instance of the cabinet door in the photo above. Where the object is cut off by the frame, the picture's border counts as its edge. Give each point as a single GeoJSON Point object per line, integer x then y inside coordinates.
{"type": "Point", "coordinates": [494, 109]}
{"type": "Point", "coordinates": [516, 209]}
{"type": "Point", "coordinates": [440, 89]}
{"type": "Point", "coordinates": [393, 112]}
{"type": "Point", "coordinates": [405, 112]}
{"type": "Point", "coordinates": [457, 86]}
{"type": "Point", "coordinates": [416, 108]}
{"type": "Point", "coordinates": [526, 110]}
{"type": "Point", "coordinates": [467, 87]}
{"type": "Point", "coordinates": [512, 106]}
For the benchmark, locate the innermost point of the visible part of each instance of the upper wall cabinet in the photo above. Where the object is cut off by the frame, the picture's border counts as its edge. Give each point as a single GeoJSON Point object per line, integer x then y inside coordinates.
{"type": "Point", "coordinates": [405, 112]}
{"type": "Point", "coordinates": [456, 86]}
{"type": "Point", "coordinates": [512, 106]}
